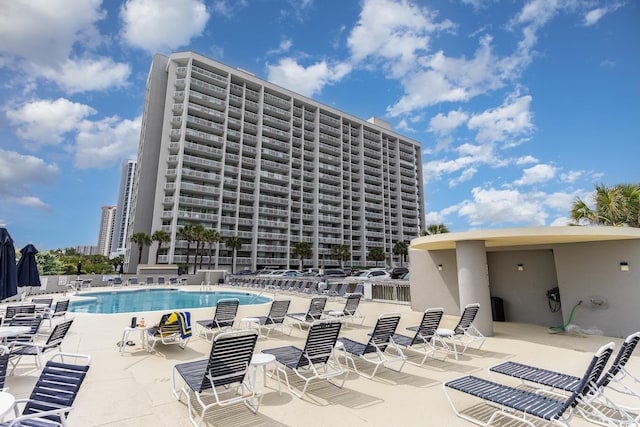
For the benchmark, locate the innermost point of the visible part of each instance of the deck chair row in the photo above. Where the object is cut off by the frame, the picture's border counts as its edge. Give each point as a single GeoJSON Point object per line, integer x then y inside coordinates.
{"type": "Point", "coordinates": [554, 396]}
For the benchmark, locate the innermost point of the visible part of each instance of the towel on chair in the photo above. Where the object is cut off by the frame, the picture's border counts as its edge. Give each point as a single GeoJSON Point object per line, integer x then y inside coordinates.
{"type": "Point", "coordinates": [182, 318]}
{"type": "Point", "coordinates": [184, 322]}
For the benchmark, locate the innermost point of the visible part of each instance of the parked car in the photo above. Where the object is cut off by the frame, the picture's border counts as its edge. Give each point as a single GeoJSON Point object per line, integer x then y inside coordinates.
{"type": "Point", "coordinates": [290, 273]}
{"type": "Point", "coordinates": [245, 272]}
{"type": "Point", "coordinates": [398, 272]}
{"type": "Point", "coordinates": [372, 275]}
{"type": "Point", "coordinates": [334, 272]}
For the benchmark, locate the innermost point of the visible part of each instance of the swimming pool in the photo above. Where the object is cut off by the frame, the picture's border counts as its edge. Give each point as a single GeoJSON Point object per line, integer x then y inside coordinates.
{"type": "Point", "coordinates": [130, 301]}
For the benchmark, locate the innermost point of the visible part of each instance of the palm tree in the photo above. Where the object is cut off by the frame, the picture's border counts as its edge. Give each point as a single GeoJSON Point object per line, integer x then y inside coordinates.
{"type": "Point", "coordinates": [186, 233]}
{"type": "Point", "coordinates": [376, 254]}
{"type": "Point", "coordinates": [234, 243]}
{"type": "Point", "coordinates": [437, 229]}
{"type": "Point", "coordinates": [341, 253]}
{"type": "Point", "coordinates": [141, 239]}
{"type": "Point", "coordinates": [211, 236]}
{"type": "Point", "coordinates": [302, 250]}
{"type": "Point", "coordinates": [617, 205]}
{"type": "Point", "coordinates": [161, 237]}
{"type": "Point", "coordinates": [401, 249]}
{"type": "Point", "coordinates": [198, 232]}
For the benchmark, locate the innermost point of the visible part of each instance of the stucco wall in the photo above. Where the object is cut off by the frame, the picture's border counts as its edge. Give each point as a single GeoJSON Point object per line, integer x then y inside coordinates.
{"type": "Point", "coordinates": [431, 287]}
{"type": "Point", "coordinates": [593, 270]}
{"type": "Point", "coordinates": [524, 292]}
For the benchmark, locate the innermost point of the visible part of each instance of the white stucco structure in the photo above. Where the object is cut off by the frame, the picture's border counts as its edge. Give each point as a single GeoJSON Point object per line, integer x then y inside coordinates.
{"type": "Point", "coordinates": [599, 266]}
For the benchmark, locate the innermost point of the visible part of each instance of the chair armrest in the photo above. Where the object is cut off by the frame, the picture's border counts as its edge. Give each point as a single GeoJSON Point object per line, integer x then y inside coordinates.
{"type": "Point", "coordinates": [60, 411]}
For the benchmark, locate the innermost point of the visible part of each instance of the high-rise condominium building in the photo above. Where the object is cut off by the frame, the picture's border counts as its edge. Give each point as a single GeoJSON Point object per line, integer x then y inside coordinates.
{"type": "Point", "coordinates": [250, 159]}
{"type": "Point", "coordinates": [121, 224]}
{"type": "Point", "coordinates": [105, 234]}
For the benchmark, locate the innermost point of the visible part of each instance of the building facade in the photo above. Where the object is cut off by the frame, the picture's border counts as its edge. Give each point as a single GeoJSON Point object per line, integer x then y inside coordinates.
{"type": "Point", "coordinates": [222, 148]}
{"type": "Point", "coordinates": [105, 234]}
{"type": "Point", "coordinates": [125, 193]}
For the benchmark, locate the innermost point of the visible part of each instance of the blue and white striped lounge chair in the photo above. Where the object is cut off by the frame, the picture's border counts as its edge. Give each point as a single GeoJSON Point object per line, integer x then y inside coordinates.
{"type": "Point", "coordinates": [350, 311]}
{"type": "Point", "coordinates": [375, 350]}
{"type": "Point", "coordinates": [312, 362]}
{"type": "Point", "coordinates": [464, 332]}
{"type": "Point", "coordinates": [36, 349]}
{"type": "Point", "coordinates": [4, 363]}
{"type": "Point", "coordinates": [423, 340]}
{"type": "Point", "coordinates": [222, 379]}
{"type": "Point", "coordinates": [53, 394]}
{"type": "Point", "coordinates": [559, 383]}
{"type": "Point", "coordinates": [275, 318]}
{"type": "Point", "coordinates": [173, 328]}
{"type": "Point", "coordinates": [519, 404]}
{"type": "Point", "coordinates": [316, 306]}
{"type": "Point", "coordinates": [223, 318]}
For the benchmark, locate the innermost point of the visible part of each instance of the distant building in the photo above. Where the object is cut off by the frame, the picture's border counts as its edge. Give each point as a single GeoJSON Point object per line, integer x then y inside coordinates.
{"type": "Point", "coordinates": [121, 223]}
{"type": "Point", "coordinates": [86, 249]}
{"type": "Point", "coordinates": [222, 148]}
{"type": "Point", "coordinates": [106, 229]}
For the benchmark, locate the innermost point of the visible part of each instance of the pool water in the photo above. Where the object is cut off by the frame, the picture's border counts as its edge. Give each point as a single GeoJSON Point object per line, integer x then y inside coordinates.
{"type": "Point", "coordinates": [126, 301]}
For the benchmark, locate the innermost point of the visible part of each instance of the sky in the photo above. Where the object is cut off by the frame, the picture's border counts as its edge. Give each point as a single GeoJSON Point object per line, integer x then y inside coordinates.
{"type": "Point", "coordinates": [520, 106]}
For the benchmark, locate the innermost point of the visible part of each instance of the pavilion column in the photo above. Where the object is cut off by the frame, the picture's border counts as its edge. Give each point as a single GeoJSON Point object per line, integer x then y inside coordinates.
{"type": "Point", "coordinates": [473, 281]}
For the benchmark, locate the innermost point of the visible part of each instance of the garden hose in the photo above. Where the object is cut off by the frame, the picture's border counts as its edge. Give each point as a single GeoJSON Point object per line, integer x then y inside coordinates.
{"type": "Point", "coordinates": [561, 328]}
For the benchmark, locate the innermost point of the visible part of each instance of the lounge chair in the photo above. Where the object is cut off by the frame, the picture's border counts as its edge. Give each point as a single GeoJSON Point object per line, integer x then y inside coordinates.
{"type": "Point", "coordinates": [42, 302]}
{"type": "Point", "coordinates": [60, 310]}
{"type": "Point", "coordinates": [32, 321]}
{"type": "Point", "coordinates": [332, 290]}
{"type": "Point", "coordinates": [133, 281]}
{"type": "Point", "coordinates": [350, 311]}
{"type": "Point", "coordinates": [375, 350]}
{"type": "Point", "coordinates": [4, 362]}
{"type": "Point", "coordinates": [223, 318]}
{"type": "Point", "coordinates": [36, 349]}
{"type": "Point", "coordinates": [359, 289]}
{"type": "Point", "coordinates": [149, 281]}
{"type": "Point", "coordinates": [423, 340]}
{"type": "Point", "coordinates": [117, 281]}
{"type": "Point", "coordinates": [313, 314]}
{"type": "Point", "coordinates": [463, 334]}
{"type": "Point", "coordinates": [559, 383]}
{"type": "Point", "coordinates": [160, 281]}
{"type": "Point", "coordinates": [13, 310]}
{"type": "Point", "coordinates": [53, 394]}
{"type": "Point", "coordinates": [312, 362]}
{"type": "Point", "coordinates": [222, 379]}
{"type": "Point", "coordinates": [173, 328]}
{"type": "Point", "coordinates": [275, 318]}
{"type": "Point", "coordinates": [518, 404]}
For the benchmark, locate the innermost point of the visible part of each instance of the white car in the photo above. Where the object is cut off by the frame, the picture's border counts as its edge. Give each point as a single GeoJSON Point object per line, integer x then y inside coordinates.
{"type": "Point", "coordinates": [367, 275]}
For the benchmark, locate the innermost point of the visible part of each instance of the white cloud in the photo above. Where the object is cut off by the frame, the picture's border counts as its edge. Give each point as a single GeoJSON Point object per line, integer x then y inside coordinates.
{"type": "Point", "coordinates": [44, 32]}
{"type": "Point", "coordinates": [438, 78]}
{"type": "Point", "coordinates": [393, 31]}
{"type": "Point", "coordinates": [594, 16]}
{"type": "Point", "coordinates": [309, 80]}
{"type": "Point", "coordinates": [103, 143]}
{"type": "Point", "coordinates": [52, 40]}
{"type": "Point", "coordinates": [283, 47]}
{"type": "Point", "coordinates": [18, 172]}
{"type": "Point", "coordinates": [537, 174]}
{"type": "Point", "coordinates": [88, 74]}
{"type": "Point", "coordinates": [491, 206]}
{"type": "Point", "coordinates": [512, 120]}
{"type": "Point", "coordinates": [525, 160]}
{"type": "Point", "coordinates": [45, 122]}
{"type": "Point", "coordinates": [445, 124]}
{"type": "Point", "coordinates": [571, 176]}
{"type": "Point", "coordinates": [227, 8]}
{"type": "Point", "coordinates": [161, 25]}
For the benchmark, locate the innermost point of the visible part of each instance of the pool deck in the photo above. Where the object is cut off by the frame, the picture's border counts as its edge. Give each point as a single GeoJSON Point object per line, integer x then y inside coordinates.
{"type": "Point", "coordinates": [134, 388]}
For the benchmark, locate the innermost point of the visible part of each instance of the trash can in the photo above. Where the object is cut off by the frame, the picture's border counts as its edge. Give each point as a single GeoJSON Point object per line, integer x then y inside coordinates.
{"type": "Point", "coordinates": [497, 309]}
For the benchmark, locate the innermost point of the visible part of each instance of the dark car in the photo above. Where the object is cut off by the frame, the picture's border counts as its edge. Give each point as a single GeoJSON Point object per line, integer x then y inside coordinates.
{"type": "Point", "coordinates": [334, 272]}
{"type": "Point", "coordinates": [398, 272]}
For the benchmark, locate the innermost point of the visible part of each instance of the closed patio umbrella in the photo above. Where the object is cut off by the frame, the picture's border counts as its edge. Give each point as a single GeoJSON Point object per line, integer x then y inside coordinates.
{"type": "Point", "coordinates": [8, 275]}
{"type": "Point", "coordinates": [28, 267]}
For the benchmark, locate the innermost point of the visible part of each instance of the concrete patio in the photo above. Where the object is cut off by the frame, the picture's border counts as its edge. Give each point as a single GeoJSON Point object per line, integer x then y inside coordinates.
{"type": "Point", "coordinates": [134, 388]}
